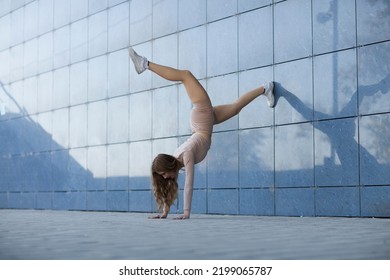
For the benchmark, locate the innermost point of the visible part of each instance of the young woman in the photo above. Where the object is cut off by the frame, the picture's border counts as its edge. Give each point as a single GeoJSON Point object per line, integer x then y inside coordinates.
{"type": "Point", "coordinates": [165, 168]}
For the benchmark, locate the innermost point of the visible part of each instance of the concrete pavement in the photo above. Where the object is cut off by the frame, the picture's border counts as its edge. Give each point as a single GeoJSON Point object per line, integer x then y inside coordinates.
{"type": "Point", "coordinates": [47, 235]}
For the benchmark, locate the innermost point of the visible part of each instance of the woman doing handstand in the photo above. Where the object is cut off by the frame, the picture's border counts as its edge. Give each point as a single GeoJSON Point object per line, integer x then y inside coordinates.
{"type": "Point", "coordinates": [204, 116]}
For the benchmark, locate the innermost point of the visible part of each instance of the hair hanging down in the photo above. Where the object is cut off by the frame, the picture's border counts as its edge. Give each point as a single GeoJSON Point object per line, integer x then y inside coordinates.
{"type": "Point", "coordinates": [164, 190]}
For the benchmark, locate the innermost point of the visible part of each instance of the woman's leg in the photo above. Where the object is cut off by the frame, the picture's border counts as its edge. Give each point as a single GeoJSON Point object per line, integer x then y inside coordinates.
{"type": "Point", "coordinates": [194, 89]}
{"type": "Point", "coordinates": [225, 112]}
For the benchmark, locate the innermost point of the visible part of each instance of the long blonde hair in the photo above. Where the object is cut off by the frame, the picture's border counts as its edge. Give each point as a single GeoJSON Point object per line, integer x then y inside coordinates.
{"type": "Point", "coordinates": [164, 190]}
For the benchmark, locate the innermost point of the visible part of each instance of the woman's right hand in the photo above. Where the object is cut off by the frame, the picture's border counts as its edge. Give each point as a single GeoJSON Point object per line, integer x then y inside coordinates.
{"type": "Point", "coordinates": [162, 216]}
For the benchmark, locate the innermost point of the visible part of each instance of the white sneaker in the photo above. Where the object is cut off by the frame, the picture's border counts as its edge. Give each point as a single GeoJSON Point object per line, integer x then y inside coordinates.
{"type": "Point", "coordinates": [268, 92]}
{"type": "Point", "coordinates": [140, 62]}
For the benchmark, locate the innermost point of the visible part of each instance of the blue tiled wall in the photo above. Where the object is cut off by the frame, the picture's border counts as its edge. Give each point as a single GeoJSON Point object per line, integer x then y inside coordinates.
{"type": "Point", "coordinates": [79, 128]}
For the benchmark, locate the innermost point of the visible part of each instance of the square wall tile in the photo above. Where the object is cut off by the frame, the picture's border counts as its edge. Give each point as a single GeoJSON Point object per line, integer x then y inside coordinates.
{"type": "Point", "coordinates": [165, 112]}
{"type": "Point", "coordinates": [30, 94]}
{"type": "Point", "coordinates": [60, 174]}
{"type": "Point", "coordinates": [252, 4]}
{"type": "Point", "coordinates": [222, 50]}
{"type": "Point", "coordinates": [5, 57]}
{"type": "Point", "coordinates": [335, 85]}
{"type": "Point", "coordinates": [255, 38]}
{"type": "Point", "coordinates": [30, 63]}
{"type": "Point", "coordinates": [373, 21]}
{"type": "Point", "coordinates": [223, 160]}
{"type": "Point", "coordinates": [257, 202]}
{"type": "Point", "coordinates": [256, 157]}
{"type": "Point", "coordinates": [17, 95]}
{"type": "Point", "coordinates": [61, 13]}
{"type": "Point", "coordinates": [78, 83]}
{"type": "Point", "coordinates": [294, 93]}
{"type": "Point", "coordinates": [223, 201]}
{"type": "Point", "coordinates": [257, 113]}
{"type": "Point", "coordinates": [5, 27]}
{"type": "Point", "coordinates": [294, 202]}
{"type": "Point", "coordinates": [97, 34]}
{"type": "Point", "coordinates": [164, 146]}
{"type": "Point", "coordinates": [78, 126]}
{"type": "Point", "coordinates": [45, 89]}
{"type": "Point", "coordinates": [118, 26]}
{"type": "Point", "coordinates": [118, 119]}
{"type": "Point", "coordinates": [61, 54]}
{"type": "Point", "coordinates": [97, 123]}
{"type": "Point", "coordinates": [30, 20]}
{"type": "Point", "coordinates": [61, 88]}
{"type": "Point", "coordinates": [78, 9]}
{"type": "Point", "coordinates": [140, 161]}
{"type": "Point", "coordinates": [45, 52]}
{"type": "Point", "coordinates": [97, 5]}
{"type": "Point", "coordinates": [292, 34]}
{"type": "Point", "coordinates": [96, 201]}
{"type": "Point", "coordinates": [118, 167]}
{"type": "Point", "coordinates": [44, 200]}
{"type": "Point", "coordinates": [199, 202]}
{"type": "Point", "coordinates": [97, 166]}
{"type": "Point", "coordinates": [337, 201]}
{"type": "Point", "coordinates": [69, 200]}
{"type": "Point", "coordinates": [4, 200]}
{"type": "Point", "coordinates": [141, 21]}
{"type": "Point", "coordinates": [77, 168]}
{"type": "Point", "coordinates": [374, 78]}
{"type": "Point", "coordinates": [336, 153]}
{"type": "Point", "coordinates": [217, 9]}
{"type": "Point", "coordinates": [44, 172]}
{"type": "Point", "coordinates": [334, 26]}
{"type": "Point", "coordinates": [140, 201]}
{"type": "Point", "coordinates": [46, 7]}
{"type": "Point", "coordinates": [374, 149]}
{"type": "Point", "coordinates": [79, 40]}
{"type": "Point", "coordinates": [17, 62]}
{"type": "Point", "coordinates": [17, 25]}
{"type": "Point", "coordinates": [117, 201]}
{"type": "Point", "coordinates": [118, 73]}
{"type": "Point", "coordinates": [61, 128]}
{"type": "Point", "coordinates": [192, 13]}
{"type": "Point", "coordinates": [294, 161]}
{"type": "Point", "coordinates": [375, 201]}
{"type": "Point", "coordinates": [4, 167]}
{"type": "Point", "coordinates": [140, 116]}
{"type": "Point", "coordinates": [97, 78]}
{"type": "Point", "coordinates": [164, 17]}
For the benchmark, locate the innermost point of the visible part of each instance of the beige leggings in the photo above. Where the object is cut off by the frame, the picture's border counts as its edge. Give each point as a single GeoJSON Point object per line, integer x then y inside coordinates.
{"type": "Point", "coordinates": [197, 93]}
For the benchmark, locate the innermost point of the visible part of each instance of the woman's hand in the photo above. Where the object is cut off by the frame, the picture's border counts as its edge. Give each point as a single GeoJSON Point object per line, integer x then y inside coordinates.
{"type": "Point", "coordinates": [182, 217]}
{"type": "Point", "coordinates": [162, 216]}
{"type": "Point", "coordinates": [185, 216]}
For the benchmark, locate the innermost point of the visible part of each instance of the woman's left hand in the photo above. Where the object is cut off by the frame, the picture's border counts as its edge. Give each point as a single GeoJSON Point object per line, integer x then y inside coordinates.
{"type": "Point", "coordinates": [182, 217]}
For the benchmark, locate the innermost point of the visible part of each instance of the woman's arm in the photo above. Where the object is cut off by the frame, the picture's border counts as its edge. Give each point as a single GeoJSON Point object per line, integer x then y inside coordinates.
{"type": "Point", "coordinates": [188, 186]}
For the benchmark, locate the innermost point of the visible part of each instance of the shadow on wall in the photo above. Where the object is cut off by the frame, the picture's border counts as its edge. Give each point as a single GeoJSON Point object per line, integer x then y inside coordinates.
{"type": "Point", "coordinates": [36, 172]}
{"type": "Point", "coordinates": [342, 136]}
